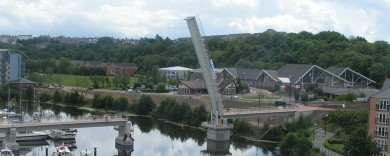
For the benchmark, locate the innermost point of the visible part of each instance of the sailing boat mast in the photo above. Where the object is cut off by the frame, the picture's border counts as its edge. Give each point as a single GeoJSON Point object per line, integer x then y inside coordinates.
{"type": "Point", "coordinates": [9, 99]}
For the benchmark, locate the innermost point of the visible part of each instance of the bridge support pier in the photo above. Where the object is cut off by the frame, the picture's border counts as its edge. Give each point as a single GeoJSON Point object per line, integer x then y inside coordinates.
{"type": "Point", "coordinates": [218, 133]}
{"type": "Point", "coordinates": [124, 137]}
{"type": "Point", "coordinates": [218, 138]}
{"type": "Point", "coordinates": [10, 140]}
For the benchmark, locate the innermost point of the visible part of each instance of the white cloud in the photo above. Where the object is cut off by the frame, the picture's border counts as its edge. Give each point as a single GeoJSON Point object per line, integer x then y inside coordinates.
{"type": "Point", "coordinates": [145, 18]}
{"type": "Point", "coordinates": [252, 4]}
{"type": "Point", "coordinates": [281, 22]}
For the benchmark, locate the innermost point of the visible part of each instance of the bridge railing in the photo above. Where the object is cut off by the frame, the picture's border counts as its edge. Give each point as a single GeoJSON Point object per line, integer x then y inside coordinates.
{"type": "Point", "coordinates": [257, 109]}
{"type": "Point", "coordinates": [61, 119]}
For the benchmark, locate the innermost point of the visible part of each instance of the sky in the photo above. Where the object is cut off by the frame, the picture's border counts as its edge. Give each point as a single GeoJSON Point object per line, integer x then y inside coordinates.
{"type": "Point", "coordinates": [146, 18]}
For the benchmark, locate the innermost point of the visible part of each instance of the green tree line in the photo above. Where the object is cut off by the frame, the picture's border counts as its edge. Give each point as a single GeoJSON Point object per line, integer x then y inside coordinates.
{"type": "Point", "coordinates": [260, 51]}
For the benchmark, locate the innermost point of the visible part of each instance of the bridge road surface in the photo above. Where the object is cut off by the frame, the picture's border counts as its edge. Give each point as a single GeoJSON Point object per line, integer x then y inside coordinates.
{"type": "Point", "coordinates": [269, 111]}
{"type": "Point", "coordinates": [64, 123]}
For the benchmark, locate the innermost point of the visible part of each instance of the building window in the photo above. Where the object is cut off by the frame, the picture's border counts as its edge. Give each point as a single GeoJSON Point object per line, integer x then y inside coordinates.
{"type": "Point", "coordinates": [382, 118]}
{"type": "Point", "coordinates": [382, 105]}
{"type": "Point", "coordinates": [381, 131]}
{"type": "Point", "coordinates": [382, 144]}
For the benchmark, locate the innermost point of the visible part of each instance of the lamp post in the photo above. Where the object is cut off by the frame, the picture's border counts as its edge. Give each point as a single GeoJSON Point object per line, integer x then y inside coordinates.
{"type": "Point", "coordinates": [313, 131]}
{"type": "Point", "coordinates": [326, 120]}
{"type": "Point", "coordinates": [289, 79]}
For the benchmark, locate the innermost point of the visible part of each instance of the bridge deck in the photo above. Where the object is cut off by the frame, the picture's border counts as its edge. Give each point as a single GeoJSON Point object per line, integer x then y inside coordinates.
{"type": "Point", "coordinates": [62, 123]}
{"type": "Point", "coordinates": [250, 112]}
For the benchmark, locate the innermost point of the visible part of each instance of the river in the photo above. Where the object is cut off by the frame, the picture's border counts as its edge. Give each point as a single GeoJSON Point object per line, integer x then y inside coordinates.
{"type": "Point", "coordinates": [151, 137]}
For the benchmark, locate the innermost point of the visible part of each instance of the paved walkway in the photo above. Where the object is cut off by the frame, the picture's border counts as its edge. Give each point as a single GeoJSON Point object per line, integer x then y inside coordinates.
{"type": "Point", "coordinates": [319, 142]}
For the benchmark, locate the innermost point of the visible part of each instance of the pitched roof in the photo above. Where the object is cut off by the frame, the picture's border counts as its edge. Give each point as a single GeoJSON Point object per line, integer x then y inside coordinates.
{"type": "Point", "coordinates": [23, 81]}
{"type": "Point", "coordinates": [339, 91]}
{"type": "Point", "coordinates": [294, 71]}
{"type": "Point", "coordinates": [386, 84]}
{"type": "Point", "coordinates": [385, 94]}
{"type": "Point", "coordinates": [179, 68]}
{"type": "Point", "coordinates": [340, 70]}
{"type": "Point", "coordinates": [224, 83]}
{"type": "Point", "coordinates": [244, 73]}
{"type": "Point", "coordinates": [336, 70]}
{"type": "Point", "coordinates": [194, 84]}
{"type": "Point", "coordinates": [271, 73]}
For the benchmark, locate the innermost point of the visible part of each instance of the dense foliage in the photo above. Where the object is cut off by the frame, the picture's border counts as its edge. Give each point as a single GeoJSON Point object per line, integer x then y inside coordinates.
{"type": "Point", "coordinates": [143, 106]}
{"type": "Point", "coordinates": [354, 124]}
{"type": "Point", "coordinates": [180, 112]}
{"type": "Point", "coordinates": [261, 51]}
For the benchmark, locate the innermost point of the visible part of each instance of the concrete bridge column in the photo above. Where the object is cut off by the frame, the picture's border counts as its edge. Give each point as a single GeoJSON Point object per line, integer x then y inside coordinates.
{"type": "Point", "coordinates": [220, 132]}
{"type": "Point", "coordinates": [10, 140]}
{"type": "Point", "coordinates": [124, 137]}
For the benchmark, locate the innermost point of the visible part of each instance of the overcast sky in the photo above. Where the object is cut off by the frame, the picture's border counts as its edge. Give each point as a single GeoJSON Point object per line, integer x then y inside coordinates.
{"type": "Point", "coordinates": [146, 18]}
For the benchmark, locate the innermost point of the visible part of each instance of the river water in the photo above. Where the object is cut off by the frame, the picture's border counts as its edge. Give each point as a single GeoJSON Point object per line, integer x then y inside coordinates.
{"type": "Point", "coordinates": [151, 138]}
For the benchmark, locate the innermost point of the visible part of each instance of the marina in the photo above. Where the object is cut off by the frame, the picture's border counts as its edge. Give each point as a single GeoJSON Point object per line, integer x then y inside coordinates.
{"type": "Point", "coordinates": [173, 139]}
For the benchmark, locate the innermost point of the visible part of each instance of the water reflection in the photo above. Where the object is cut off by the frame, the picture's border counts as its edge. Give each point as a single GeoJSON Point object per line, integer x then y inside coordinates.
{"type": "Point", "coordinates": [152, 137]}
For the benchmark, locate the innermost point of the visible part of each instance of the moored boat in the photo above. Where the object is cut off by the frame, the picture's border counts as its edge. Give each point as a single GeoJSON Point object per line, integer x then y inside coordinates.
{"type": "Point", "coordinates": [85, 152]}
{"type": "Point", "coordinates": [5, 151]}
{"type": "Point", "coordinates": [62, 151]}
{"type": "Point", "coordinates": [62, 134]}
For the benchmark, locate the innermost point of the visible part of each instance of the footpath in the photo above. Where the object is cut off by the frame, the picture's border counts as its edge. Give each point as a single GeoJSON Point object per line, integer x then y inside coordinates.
{"type": "Point", "coordinates": [319, 140]}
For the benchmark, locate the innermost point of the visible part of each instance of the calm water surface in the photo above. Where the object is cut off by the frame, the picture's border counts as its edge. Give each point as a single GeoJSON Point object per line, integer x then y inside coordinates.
{"type": "Point", "coordinates": [152, 137]}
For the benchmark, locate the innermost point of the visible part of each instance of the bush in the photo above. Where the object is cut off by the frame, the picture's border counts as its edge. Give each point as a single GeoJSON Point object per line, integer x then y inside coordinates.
{"type": "Point", "coordinates": [333, 148]}
{"type": "Point", "coordinates": [44, 97]}
{"type": "Point", "coordinates": [335, 141]}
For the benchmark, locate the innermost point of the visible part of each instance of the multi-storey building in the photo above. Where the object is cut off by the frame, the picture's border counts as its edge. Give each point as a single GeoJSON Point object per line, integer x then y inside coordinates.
{"type": "Point", "coordinates": [378, 123]}
{"type": "Point", "coordinates": [12, 65]}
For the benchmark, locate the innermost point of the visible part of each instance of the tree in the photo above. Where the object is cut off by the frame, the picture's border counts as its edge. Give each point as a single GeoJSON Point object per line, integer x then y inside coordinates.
{"type": "Point", "coordinates": [121, 103]}
{"type": "Point", "coordinates": [144, 105]}
{"type": "Point", "coordinates": [295, 144]}
{"type": "Point", "coordinates": [57, 97]}
{"type": "Point", "coordinates": [359, 143]}
{"type": "Point", "coordinates": [29, 94]}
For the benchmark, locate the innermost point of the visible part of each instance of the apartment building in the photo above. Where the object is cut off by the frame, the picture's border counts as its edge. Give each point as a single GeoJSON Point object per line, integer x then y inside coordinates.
{"type": "Point", "coordinates": [378, 123]}
{"type": "Point", "coordinates": [12, 65]}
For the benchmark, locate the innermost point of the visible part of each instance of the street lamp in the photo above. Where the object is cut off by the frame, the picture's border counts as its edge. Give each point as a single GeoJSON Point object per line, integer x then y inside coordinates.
{"type": "Point", "coordinates": [289, 79]}
{"type": "Point", "coordinates": [326, 119]}
{"type": "Point", "coordinates": [313, 131]}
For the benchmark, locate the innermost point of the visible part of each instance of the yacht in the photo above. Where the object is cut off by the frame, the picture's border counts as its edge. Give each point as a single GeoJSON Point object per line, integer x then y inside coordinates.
{"type": "Point", "coordinates": [6, 151]}
{"type": "Point", "coordinates": [62, 151]}
{"type": "Point", "coordinates": [85, 153]}
{"type": "Point", "coordinates": [63, 134]}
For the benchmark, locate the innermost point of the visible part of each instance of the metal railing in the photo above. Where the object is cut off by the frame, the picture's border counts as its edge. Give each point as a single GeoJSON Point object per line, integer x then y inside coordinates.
{"type": "Point", "coordinates": [256, 109]}
{"type": "Point", "coordinates": [384, 121]}
{"type": "Point", "coordinates": [59, 119]}
{"type": "Point", "coordinates": [381, 134]}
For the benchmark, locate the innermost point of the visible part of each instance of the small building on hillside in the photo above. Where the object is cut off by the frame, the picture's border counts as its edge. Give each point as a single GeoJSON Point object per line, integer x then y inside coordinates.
{"type": "Point", "coordinates": [127, 69]}
{"type": "Point", "coordinates": [123, 69]}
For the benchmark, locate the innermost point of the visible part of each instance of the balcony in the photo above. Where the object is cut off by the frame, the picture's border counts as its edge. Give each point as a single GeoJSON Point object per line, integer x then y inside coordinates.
{"type": "Point", "coordinates": [383, 147]}
{"type": "Point", "coordinates": [382, 121]}
{"type": "Point", "coordinates": [381, 134]}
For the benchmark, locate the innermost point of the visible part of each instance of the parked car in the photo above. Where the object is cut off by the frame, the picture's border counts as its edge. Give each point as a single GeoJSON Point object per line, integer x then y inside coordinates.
{"type": "Point", "coordinates": [319, 101]}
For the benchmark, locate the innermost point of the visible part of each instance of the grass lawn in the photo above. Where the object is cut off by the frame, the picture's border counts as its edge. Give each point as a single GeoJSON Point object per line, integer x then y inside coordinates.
{"type": "Point", "coordinates": [78, 80]}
